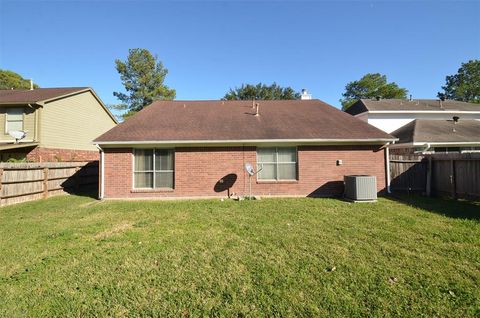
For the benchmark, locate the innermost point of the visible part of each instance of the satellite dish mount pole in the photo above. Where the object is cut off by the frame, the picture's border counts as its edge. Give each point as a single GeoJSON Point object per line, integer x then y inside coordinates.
{"type": "Point", "coordinates": [251, 172]}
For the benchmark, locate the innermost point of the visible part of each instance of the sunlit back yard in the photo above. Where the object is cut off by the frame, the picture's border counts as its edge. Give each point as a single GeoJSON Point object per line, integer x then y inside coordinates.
{"type": "Point", "coordinates": [73, 256]}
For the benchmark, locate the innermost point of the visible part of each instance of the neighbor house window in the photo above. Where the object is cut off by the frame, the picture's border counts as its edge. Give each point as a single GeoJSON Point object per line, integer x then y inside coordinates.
{"type": "Point", "coordinates": [446, 149]}
{"type": "Point", "coordinates": [277, 163]}
{"type": "Point", "coordinates": [153, 168]}
{"type": "Point", "coordinates": [14, 119]}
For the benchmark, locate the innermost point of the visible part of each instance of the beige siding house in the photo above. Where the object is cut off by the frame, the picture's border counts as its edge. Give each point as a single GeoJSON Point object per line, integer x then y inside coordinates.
{"type": "Point", "coordinates": [58, 124]}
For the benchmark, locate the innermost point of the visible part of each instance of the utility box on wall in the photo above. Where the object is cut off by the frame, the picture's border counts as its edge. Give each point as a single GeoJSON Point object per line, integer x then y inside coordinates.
{"type": "Point", "coordinates": [360, 188]}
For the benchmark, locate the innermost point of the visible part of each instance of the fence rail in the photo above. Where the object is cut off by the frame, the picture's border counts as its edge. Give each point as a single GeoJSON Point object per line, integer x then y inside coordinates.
{"type": "Point", "coordinates": [455, 175]}
{"type": "Point", "coordinates": [22, 182]}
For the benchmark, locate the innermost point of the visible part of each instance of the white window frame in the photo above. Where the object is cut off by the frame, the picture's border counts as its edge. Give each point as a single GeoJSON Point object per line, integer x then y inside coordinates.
{"type": "Point", "coordinates": [154, 171]}
{"type": "Point", "coordinates": [277, 163]}
{"type": "Point", "coordinates": [7, 114]}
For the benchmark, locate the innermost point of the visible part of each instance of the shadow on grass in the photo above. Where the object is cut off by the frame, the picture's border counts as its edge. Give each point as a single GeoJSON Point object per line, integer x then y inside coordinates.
{"type": "Point", "coordinates": [459, 209]}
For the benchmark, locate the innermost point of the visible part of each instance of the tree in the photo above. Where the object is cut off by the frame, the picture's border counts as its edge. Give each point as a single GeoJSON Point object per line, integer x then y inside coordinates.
{"type": "Point", "coordinates": [142, 75]}
{"type": "Point", "coordinates": [9, 80]}
{"type": "Point", "coordinates": [261, 91]}
{"type": "Point", "coordinates": [465, 85]}
{"type": "Point", "coordinates": [371, 85]}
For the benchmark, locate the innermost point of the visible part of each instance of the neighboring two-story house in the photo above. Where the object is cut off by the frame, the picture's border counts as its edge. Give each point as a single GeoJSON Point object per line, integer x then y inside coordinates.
{"type": "Point", "coordinates": [423, 125]}
{"type": "Point", "coordinates": [58, 124]}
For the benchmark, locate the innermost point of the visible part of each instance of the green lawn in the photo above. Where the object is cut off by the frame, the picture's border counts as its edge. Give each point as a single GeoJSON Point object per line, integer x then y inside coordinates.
{"type": "Point", "coordinates": [73, 256]}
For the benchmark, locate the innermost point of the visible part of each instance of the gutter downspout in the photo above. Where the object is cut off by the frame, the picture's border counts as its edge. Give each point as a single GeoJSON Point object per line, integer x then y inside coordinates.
{"type": "Point", "coordinates": [387, 161]}
{"type": "Point", "coordinates": [102, 174]}
{"type": "Point", "coordinates": [387, 155]}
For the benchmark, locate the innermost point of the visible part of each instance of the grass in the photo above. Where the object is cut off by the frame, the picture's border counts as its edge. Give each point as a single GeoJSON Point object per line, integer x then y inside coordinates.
{"type": "Point", "coordinates": [72, 256]}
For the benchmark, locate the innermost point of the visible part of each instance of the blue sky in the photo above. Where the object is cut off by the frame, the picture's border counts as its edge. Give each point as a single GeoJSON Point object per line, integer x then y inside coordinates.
{"type": "Point", "coordinates": [209, 47]}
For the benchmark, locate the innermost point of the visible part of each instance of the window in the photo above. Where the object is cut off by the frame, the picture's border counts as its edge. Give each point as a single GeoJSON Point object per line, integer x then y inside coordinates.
{"type": "Point", "coordinates": [14, 119]}
{"type": "Point", "coordinates": [277, 163]}
{"type": "Point", "coordinates": [446, 149]}
{"type": "Point", "coordinates": [153, 168]}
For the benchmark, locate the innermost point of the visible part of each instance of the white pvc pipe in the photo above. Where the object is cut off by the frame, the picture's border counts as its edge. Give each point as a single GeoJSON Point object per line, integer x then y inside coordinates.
{"type": "Point", "coordinates": [387, 155]}
{"type": "Point", "coordinates": [102, 174]}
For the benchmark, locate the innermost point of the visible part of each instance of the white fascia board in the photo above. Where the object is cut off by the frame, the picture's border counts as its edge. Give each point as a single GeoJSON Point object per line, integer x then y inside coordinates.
{"type": "Point", "coordinates": [194, 143]}
{"type": "Point", "coordinates": [432, 144]}
{"type": "Point", "coordinates": [452, 143]}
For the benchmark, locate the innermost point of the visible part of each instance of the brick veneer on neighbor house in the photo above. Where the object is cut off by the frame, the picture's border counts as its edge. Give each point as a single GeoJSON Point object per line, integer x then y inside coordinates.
{"type": "Point", "coordinates": [198, 170]}
{"type": "Point", "coordinates": [40, 154]}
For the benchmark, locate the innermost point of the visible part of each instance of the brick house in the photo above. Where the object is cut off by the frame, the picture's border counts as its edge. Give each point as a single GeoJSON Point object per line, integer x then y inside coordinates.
{"type": "Point", "coordinates": [55, 124]}
{"type": "Point", "coordinates": [200, 148]}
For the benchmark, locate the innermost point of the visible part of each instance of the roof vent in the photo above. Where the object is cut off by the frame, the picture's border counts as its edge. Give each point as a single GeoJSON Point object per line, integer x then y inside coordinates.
{"type": "Point", "coordinates": [377, 97]}
{"type": "Point", "coordinates": [31, 84]}
{"type": "Point", "coordinates": [305, 95]}
{"type": "Point", "coordinates": [256, 109]}
{"type": "Point", "coordinates": [455, 119]}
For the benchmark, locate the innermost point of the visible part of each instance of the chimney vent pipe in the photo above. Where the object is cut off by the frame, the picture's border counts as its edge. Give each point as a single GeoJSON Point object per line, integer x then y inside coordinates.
{"type": "Point", "coordinates": [305, 95]}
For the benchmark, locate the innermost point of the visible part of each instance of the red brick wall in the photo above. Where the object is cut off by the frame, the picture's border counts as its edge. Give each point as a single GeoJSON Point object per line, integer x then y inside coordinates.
{"type": "Point", "coordinates": [197, 171]}
{"type": "Point", "coordinates": [40, 154]}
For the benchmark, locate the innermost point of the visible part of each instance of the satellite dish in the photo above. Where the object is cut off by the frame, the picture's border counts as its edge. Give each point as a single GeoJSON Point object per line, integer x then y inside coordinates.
{"type": "Point", "coordinates": [251, 172]}
{"type": "Point", "coordinates": [17, 134]}
{"type": "Point", "coordinates": [249, 169]}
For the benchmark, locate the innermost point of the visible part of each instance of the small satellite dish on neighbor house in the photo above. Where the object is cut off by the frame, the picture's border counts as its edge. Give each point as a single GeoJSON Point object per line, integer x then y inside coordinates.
{"type": "Point", "coordinates": [17, 134]}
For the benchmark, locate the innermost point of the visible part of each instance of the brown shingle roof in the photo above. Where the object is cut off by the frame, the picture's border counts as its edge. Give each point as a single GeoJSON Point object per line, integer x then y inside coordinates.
{"type": "Point", "coordinates": [235, 120]}
{"type": "Point", "coordinates": [364, 105]}
{"type": "Point", "coordinates": [438, 131]}
{"type": "Point", "coordinates": [16, 96]}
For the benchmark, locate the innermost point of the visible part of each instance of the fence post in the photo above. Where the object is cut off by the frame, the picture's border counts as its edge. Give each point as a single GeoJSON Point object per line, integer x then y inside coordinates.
{"type": "Point", "coordinates": [77, 179]}
{"type": "Point", "coordinates": [429, 177]}
{"type": "Point", "coordinates": [45, 183]}
{"type": "Point", "coordinates": [1, 186]}
{"type": "Point", "coordinates": [452, 179]}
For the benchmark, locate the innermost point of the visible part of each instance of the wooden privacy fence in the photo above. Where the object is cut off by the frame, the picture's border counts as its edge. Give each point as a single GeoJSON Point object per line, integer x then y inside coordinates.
{"type": "Point", "coordinates": [21, 182]}
{"type": "Point", "coordinates": [456, 175]}
{"type": "Point", "coordinates": [408, 173]}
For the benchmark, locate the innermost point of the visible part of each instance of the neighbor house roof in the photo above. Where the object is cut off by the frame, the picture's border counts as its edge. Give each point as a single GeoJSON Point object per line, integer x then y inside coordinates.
{"type": "Point", "coordinates": [402, 105]}
{"type": "Point", "coordinates": [423, 131]}
{"type": "Point", "coordinates": [27, 96]}
{"type": "Point", "coordinates": [216, 121]}
{"type": "Point", "coordinates": [41, 96]}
